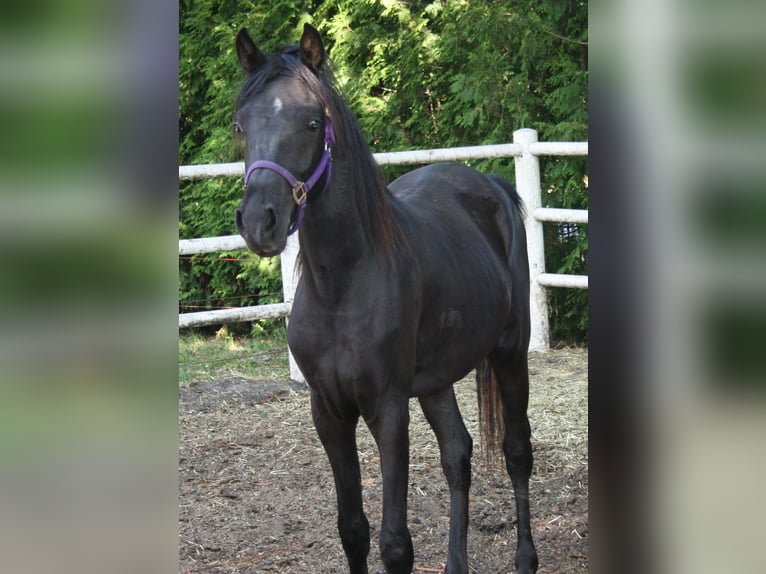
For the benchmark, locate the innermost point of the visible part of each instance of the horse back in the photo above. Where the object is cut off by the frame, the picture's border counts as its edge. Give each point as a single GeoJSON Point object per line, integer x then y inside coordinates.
{"type": "Point", "coordinates": [449, 203]}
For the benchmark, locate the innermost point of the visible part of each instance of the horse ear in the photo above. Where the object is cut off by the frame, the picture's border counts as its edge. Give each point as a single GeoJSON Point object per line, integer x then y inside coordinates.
{"type": "Point", "coordinates": [312, 50]}
{"type": "Point", "coordinates": [249, 55]}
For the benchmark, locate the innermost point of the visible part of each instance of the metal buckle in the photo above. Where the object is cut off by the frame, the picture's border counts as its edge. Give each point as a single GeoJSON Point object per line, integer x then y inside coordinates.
{"type": "Point", "coordinates": [299, 193]}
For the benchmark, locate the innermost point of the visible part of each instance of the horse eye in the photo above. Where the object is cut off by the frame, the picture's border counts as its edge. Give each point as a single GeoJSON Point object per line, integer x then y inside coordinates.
{"type": "Point", "coordinates": [314, 125]}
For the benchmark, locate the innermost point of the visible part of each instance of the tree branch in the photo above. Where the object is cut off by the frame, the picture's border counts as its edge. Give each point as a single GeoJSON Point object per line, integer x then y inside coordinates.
{"type": "Point", "coordinates": [581, 43]}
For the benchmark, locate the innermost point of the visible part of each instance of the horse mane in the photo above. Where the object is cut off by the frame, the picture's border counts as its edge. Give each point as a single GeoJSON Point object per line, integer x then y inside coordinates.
{"type": "Point", "coordinates": [366, 180]}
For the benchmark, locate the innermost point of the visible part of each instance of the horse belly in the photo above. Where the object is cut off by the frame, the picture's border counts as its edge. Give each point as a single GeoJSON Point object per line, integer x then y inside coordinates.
{"type": "Point", "coordinates": [456, 335]}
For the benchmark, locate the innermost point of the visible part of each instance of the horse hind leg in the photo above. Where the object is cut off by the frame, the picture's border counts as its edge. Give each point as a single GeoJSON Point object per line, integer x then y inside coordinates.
{"type": "Point", "coordinates": [512, 384]}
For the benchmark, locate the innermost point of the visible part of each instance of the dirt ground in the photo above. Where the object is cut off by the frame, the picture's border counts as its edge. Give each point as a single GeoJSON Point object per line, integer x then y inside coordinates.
{"type": "Point", "coordinates": [256, 492]}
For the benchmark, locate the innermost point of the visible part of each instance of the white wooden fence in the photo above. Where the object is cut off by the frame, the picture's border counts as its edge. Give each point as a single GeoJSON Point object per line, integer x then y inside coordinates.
{"type": "Point", "coordinates": [525, 150]}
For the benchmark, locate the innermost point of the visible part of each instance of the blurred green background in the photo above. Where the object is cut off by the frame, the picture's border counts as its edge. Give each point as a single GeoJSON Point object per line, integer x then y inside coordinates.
{"type": "Point", "coordinates": [88, 286]}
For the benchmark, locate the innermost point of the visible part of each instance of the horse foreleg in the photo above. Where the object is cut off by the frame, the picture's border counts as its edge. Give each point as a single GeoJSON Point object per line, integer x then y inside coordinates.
{"type": "Point", "coordinates": [390, 429]}
{"type": "Point", "coordinates": [339, 441]}
{"type": "Point", "coordinates": [455, 446]}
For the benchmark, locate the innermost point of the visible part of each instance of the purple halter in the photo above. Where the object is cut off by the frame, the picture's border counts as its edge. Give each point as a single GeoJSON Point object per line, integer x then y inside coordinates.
{"type": "Point", "coordinates": [302, 189]}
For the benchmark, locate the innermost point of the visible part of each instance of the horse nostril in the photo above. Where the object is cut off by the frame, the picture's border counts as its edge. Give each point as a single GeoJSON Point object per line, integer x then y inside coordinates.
{"type": "Point", "coordinates": [270, 221]}
{"type": "Point", "coordinates": [266, 224]}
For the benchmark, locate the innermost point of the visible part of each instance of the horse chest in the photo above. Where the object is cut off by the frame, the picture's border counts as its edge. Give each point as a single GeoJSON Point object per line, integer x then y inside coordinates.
{"type": "Point", "coordinates": [344, 348]}
{"type": "Point", "coordinates": [344, 369]}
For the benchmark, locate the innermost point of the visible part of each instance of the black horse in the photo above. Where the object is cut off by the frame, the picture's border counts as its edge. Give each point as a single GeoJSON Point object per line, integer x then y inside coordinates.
{"type": "Point", "coordinates": [404, 290]}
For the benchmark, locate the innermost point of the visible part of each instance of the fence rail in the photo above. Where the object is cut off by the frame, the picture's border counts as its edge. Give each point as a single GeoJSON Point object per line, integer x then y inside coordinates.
{"type": "Point", "coordinates": [525, 150]}
{"type": "Point", "coordinates": [210, 244]}
{"type": "Point", "coordinates": [254, 313]}
{"type": "Point", "coordinates": [413, 157]}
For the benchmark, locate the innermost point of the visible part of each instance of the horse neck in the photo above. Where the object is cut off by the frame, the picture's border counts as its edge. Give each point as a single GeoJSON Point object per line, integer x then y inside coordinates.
{"type": "Point", "coordinates": [333, 239]}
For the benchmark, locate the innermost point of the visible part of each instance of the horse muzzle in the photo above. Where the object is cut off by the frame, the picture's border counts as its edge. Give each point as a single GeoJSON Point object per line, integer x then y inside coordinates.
{"type": "Point", "coordinates": [259, 227]}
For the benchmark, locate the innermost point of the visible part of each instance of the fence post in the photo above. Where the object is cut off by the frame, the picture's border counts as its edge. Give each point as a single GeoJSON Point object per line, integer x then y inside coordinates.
{"type": "Point", "coordinates": [528, 186]}
{"type": "Point", "coordinates": [290, 276]}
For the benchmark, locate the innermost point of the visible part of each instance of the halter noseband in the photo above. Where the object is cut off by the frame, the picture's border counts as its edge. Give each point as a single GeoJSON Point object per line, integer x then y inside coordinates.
{"type": "Point", "coordinates": [302, 189]}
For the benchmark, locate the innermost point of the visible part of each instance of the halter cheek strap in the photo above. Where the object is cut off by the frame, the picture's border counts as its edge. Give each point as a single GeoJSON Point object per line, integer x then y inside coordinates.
{"type": "Point", "coordinates": [302, 189]}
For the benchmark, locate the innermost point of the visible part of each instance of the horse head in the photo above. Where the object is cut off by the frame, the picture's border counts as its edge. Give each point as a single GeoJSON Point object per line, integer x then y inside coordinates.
{"type": "Point", "coordinates": [288, 137]}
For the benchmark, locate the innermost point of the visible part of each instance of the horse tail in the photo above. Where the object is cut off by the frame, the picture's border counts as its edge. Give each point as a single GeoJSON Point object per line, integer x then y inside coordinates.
{"type": "Point", "coordinates": [491, 426]}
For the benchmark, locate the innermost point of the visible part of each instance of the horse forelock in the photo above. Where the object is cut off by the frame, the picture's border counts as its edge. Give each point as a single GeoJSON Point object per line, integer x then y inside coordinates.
{"type": "Point", "coordinates": [284, 63]}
